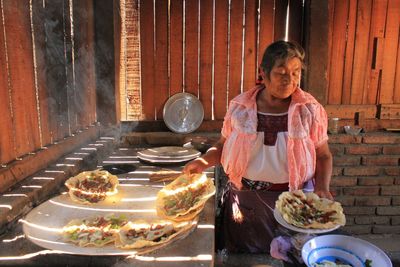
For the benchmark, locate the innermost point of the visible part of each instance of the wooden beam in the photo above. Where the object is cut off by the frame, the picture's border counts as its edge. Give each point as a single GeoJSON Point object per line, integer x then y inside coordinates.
{"type": "Point", "coordinates": [389, 111]}
{"type": "Point", "coordinates": [349, 111]}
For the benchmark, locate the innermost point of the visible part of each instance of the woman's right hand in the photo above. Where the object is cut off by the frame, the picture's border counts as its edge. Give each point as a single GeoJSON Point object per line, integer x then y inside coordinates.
{"type": "Point", "coordinates": [195, 166]}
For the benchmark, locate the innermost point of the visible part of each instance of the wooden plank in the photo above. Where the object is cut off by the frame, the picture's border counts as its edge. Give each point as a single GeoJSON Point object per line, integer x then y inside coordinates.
{"type": "Point", "coordinates": [39, 35]}
{"type": "Point", "coordinates": [105, 61]}
{"type": "Point", "coordinates": [176, 47]}
{"type": "Point", "coordinates": [317, 50]}
{"type": "Point", "coordinates": [266, 35]}
{"type": "Point", "coordinates": [235, 48]}
{"type": "Point", "coordinates": [378, 20]}
{"type": "Point", "coordinates": [280, 19]}
{"type": "Point", "coordinates": [84, 84]}
{"type": "Point", "coordinates": [337, 57]}
{"type": "Point", "coordinates": [117, 65]}
{"type": "Point", "coordinates": [7, 145]}
{"type": "Point", "coordinates": [20, 62]}
{"type": "Point", "coordinates": [361, 48]}
{"type": "Point", "coordinates": [389, 111]}
{"type": "Point", "coordinates": [390, 52]}
{"type": "Point", "coordinates": [349, 111]}
{"type": "Point", "coordinates": [396, 97]}
{"type": "Point", "coordinates": [191, 47]}
{"type": "Point", "coordinates": [206, 57]}
{"type": "Point", "coordinates": [161, 59]}
{"type": "Point", "coordinates": [250, 72]}
{"type": "Point", "coordinates": [221, 58]}
{"type": "Point", "coordinates": [56, 69]}
{"type": "Point", "coordinates": [147, 54]}
{"type": "Point", "coordinates": [348, 64]}
{"type": "Point", "coordinates": [296, 21]}
{"type": "Point", "coordinates": [20, 169]}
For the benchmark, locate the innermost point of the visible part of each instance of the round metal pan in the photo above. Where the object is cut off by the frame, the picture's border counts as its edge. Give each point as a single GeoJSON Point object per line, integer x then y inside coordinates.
{"type": "Point", "coordinates": [183, 113]}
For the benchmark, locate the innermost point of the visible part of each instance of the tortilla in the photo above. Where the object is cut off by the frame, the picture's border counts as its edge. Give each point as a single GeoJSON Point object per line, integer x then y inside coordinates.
{"type": "Point", "coordinates": [96, 231]}
{"type": "Point", "coordinates": [164, 175]}
{"type": "Point", "coordinates": [92, 186]}
{"type": "Point", "coordinates": [142, 235]}
{"type": "Point", "coordinates": [185, 197]}
{"type": "Point", "coordinates": [308, 210]}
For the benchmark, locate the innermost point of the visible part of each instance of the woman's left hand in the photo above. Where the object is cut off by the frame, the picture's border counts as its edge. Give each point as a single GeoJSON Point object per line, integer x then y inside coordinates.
{"type": "Point", "coordinates": [324, 194]}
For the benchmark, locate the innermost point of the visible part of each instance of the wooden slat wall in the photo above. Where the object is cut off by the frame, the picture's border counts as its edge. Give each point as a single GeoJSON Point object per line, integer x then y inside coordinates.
{"type": "Point", "coordinates": [364, 52]}
{"type": "Point", "coordinates": [47, 73]}
{"type": "Point", "coordinates": [210, 49]}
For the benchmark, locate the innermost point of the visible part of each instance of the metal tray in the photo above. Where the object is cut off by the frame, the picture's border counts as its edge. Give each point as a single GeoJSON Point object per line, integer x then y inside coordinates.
{"type": "Point", "coordinates": [183, 113]}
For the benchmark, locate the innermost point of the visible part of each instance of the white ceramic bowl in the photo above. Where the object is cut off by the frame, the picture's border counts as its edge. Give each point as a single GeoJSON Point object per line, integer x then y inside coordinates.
{"type": "Point", "coordinates": [347, 249]}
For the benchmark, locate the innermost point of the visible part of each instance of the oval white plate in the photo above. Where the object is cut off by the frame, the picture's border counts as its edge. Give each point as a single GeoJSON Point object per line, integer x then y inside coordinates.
{"type": "Point", "coordinates": [281, 221]}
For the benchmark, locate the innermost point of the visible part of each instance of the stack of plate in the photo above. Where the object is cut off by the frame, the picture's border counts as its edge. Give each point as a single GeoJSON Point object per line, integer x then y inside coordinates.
{"type": "Point", "coordinates": [168, 154]}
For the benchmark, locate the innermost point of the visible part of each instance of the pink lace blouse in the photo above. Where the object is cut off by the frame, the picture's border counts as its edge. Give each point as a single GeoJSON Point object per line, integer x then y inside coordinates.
{"type": "Point", "coordinates": [307, 130]}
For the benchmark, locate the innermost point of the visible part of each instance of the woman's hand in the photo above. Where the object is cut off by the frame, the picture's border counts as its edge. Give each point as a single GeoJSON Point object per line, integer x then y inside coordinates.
{"type": "Point", "coordinates": [324, 194]}
{"type": "Point", "coordinates": [195, 166]}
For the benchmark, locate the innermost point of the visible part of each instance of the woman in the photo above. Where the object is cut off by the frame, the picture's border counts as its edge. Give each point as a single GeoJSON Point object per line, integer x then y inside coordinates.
{"type": "Point", "coordinates": [274, 139]}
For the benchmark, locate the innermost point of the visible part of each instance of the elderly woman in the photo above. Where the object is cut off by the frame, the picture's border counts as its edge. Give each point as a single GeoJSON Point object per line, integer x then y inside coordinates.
{"type": "Point", "coordinates": [274, 139]}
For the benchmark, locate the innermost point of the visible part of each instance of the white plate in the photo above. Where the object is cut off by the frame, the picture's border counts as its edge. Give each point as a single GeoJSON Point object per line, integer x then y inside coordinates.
{"type": "Point", "coordinates": [43, 224]}
{"type": "Point", "coordinates": [183, 113]}
{"type": "Point", "coordinates": [168, 154]}
{"type": "Point", "coordinates": [281, 221]}
{"type": "Point", "coordinates": [352, 250]}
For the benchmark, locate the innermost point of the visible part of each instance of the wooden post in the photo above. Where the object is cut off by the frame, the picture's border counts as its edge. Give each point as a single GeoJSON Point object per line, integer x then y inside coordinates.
{"type": "Point", "coordinates": [316, 46]}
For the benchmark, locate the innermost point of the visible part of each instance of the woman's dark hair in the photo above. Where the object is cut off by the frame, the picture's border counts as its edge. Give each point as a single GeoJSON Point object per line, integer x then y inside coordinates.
{"type": "Point", "coordinates": [281, 50]}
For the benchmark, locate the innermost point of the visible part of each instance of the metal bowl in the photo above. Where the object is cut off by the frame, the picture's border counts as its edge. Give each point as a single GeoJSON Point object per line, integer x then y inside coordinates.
{"type": "Point", "coordinates": [183, 113]}
{"type": "Point", "coordinates": [352, 130]}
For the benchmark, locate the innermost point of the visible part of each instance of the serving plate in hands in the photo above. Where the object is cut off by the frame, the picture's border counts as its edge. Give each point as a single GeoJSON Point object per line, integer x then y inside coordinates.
{"type": "Point", "coordinates": [346, 249]}
{"type": "Point", "coordinates": [281, 221]}
{"type": "Point", "coordinates": [183, 113]}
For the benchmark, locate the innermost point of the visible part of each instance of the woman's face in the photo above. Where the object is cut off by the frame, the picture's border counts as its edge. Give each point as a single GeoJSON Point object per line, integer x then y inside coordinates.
{"type": "Point", "coordinates": [284, 78]}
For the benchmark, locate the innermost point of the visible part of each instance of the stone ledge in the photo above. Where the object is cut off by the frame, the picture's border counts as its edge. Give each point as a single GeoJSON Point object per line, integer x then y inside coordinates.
{"type": "Point", "coordinates": [35, 189]}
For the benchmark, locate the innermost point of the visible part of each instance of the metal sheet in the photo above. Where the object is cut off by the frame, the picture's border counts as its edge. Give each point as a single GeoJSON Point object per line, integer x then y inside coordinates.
{"type": "Point", "coordinates": [44, 223]}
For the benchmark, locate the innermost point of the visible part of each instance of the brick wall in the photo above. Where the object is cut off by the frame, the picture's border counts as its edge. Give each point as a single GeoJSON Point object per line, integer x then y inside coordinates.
{"type": "Point", "coordinates": [366, 180]}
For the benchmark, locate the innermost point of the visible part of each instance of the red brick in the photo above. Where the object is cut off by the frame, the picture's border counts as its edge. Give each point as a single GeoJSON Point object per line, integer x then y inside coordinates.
{"type": "Point", "coordinates": [381, 139]}
{"type": "Point", "coordinates": [386, 229]}
{"type": "Point", "coordinates": [396, 201]}
{"type": "Point", "coordinates": [336, 171]}
{"type": "Point", "coordinates": [372, 220]}
{"type": "Point", "coordinates": [393, 190]}
{"type": "Point", "coordinates": [350, 220]}
{"type": "Point", "coordinates": [392, 171]}
{"type": "Point", "coordinates": [336, 191]}
{"type": "Point", "coordinates": [343, 181]}
{"type": "Point", "coordinates": [361, 191]}
{"type": "Point", "coordinates": [376, 180]}
{"type": "Point", "coordinates": [361, 171]}
{"type": "Point", "coordinates": [344, 139]}
{"type": "Point", "coordinates": [393, 210]}
{"type": "Point", "coordinates": [345, 201]}
{"type": "Point", "coordinates": [380, 160]}
{"type": "Point", "coordinates": [336, 150]}
{"type": "Point", "coordinates": [358, 229]}
{"type": "Point", "coordinates": [373, 201]}
{"type": "Point", "coordinates": [363, 150]}
{"type": "Point", "coordinates": [347, 161]}
{"type": "Point", "coordinates": [391, 150]}
{"type": "Point", "coordinates": [359, 210]}
{"type": "Point", "coordinates": [395, 220]}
